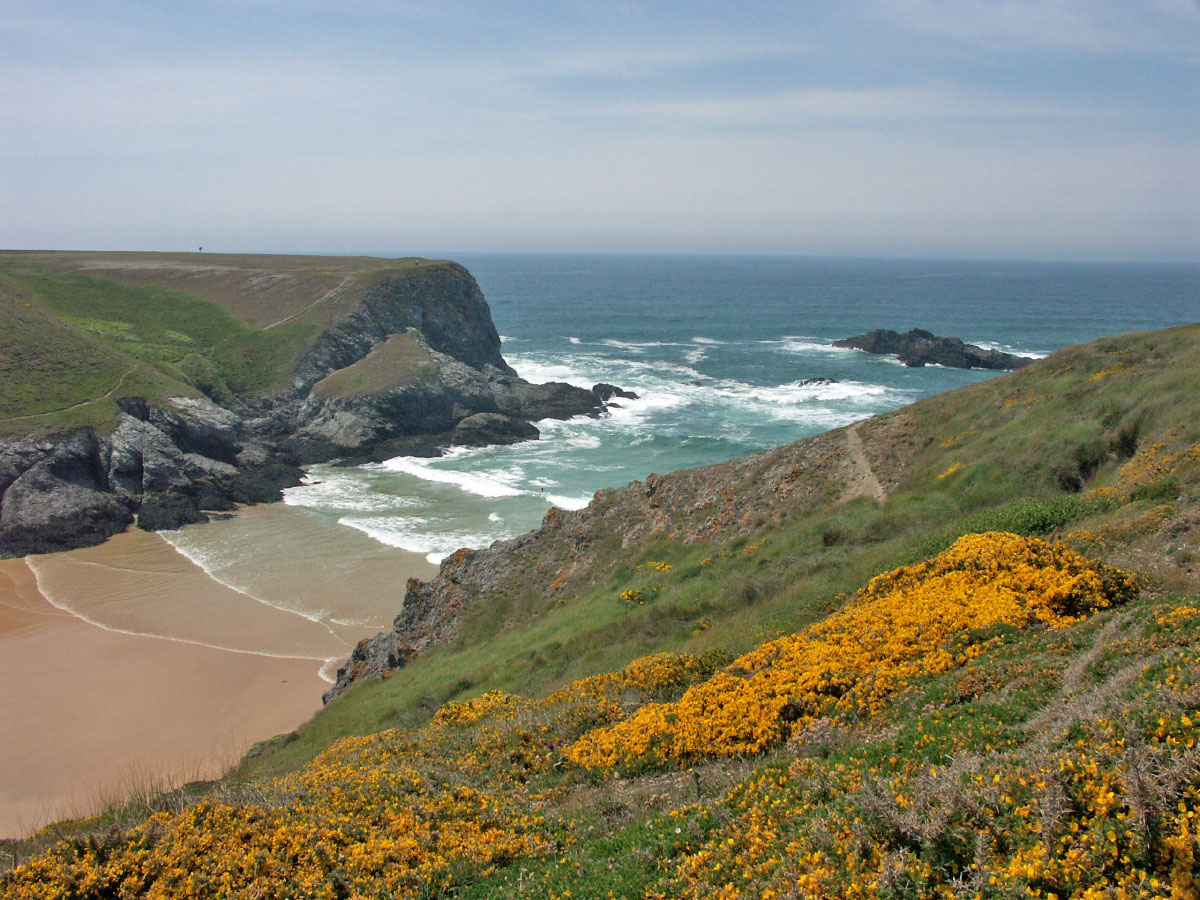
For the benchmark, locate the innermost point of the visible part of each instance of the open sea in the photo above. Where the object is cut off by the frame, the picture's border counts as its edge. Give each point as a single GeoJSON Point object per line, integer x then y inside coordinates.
{"type": "Point", "coordinates": [721, 351]}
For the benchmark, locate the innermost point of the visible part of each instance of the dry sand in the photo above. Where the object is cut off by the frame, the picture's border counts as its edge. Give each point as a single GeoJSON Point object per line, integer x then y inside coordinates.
{"type": "Point", "coordinates": [126, 666]}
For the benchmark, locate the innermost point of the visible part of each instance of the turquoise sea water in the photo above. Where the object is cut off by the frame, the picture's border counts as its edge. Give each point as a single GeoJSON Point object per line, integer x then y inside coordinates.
{"type": "Point", "coordinates": [719, 350]}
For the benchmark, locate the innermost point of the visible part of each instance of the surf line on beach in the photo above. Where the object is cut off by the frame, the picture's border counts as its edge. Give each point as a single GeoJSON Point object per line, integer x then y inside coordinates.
{"type": "Point", "coordinates": [326, 663]}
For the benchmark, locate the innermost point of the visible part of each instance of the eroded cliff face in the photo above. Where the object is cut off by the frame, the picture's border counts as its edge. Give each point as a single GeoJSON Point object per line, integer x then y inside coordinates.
{"type": "Point", "coordinates": [171, 463]}
{"type": "Point", "coordinates": [444, 305]}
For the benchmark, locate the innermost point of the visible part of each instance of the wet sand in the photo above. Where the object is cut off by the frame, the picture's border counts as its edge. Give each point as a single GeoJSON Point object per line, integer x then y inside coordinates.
{"type": "Point", "coordinates": [127, 666]}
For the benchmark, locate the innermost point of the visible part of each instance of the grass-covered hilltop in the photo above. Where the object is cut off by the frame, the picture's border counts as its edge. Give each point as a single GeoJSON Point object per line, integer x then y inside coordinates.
{"type": "Point", "coordinates": [946, 652]}
{"type": "Point", "coordinates": [163, 386]}
{"type": "Point", "coordinates": [81, 330]}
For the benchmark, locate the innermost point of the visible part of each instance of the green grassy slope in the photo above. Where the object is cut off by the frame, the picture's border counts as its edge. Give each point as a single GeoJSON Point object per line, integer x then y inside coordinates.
{"type": "Point", "coordinates": [398, 361]}
{"type": "Point", "coordinates": [1023, 755]}
{"type": "Point", "coordinates": [84, 329]}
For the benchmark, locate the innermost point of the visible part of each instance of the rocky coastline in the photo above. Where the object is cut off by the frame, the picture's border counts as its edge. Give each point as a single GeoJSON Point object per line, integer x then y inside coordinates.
{"type": "Point", "coordinates": [171, 463]}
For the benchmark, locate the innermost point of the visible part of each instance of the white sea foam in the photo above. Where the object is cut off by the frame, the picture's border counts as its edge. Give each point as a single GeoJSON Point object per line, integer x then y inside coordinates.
{"type": "Point", "coordinates": [407, 533]}
{"type": "Point", "coordinates": [705, 340]}
{"type": "Point", "coordinates": [495, 517]}
{"type": "Point", "coordinates": [493, 484]}
{"type": "Point", "coordinates": [573, 340]}
{"type": "Point", "coordinates": [568, 502]}
{"type": "Point", "coordinates": [210, 562]}
{"type": "Point", "coordinates": [345, 492]}
{"type": "Point", "coordinates": [328, 671]}
{"type": "Point", "coordinates": [357, 623]}
{"type": "Point", "coordinates": [583, 442]}
{"type": "Point", "coordinates": [639, 346]}
{"type": "Point", "coordinates": [539, 368]}
{"type": "Point", "coordinates": [1008, 348]}
{"type": "Point", "coordinates": [799, 343]}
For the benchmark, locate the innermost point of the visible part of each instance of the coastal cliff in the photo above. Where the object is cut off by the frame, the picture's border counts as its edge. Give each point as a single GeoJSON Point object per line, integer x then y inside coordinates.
{"type": "Point", "coordinates": [908, 648]}
{"type": "Point", "coordinates": [233, 373]}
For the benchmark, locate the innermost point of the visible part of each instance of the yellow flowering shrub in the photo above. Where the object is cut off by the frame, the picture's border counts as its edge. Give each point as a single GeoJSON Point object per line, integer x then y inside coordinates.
{"type": "Point", "coordinates": [898, 626]}
{"type": "Point", "coordinates": [491, 704]}
{"type": "Point", "coordinates": [957, 467]}
{"type": "Point", "coordinates": [1153, 463]}
{"type": "Point", "coordinates": [1105, 373]}
{"type": "Point", "coordinates": [962, 801]}
{"type": "Point", "coordinates": [360, 820]}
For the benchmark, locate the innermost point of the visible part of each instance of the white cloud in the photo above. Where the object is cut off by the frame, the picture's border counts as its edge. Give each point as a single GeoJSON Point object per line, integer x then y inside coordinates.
{"type": "Point", "coordinates": [822, 107]}
{"type": "Point", "coordinates": [1094, 26]}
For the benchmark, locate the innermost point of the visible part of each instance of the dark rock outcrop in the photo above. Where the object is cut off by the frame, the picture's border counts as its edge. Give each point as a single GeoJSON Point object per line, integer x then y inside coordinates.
{"type": "Point", "coordinates": [444, 304]}
{"type": "Point", "coordinates": [918, 348]}
{"type": "Point", "coordinates": [552, 400]}
{"type": "Point", "coordinates": [170, 466]}
{"type": "Point", "coordinates": [56, 495]}
{"type": "Point", "coordinates": [486, 428]}
{"type": "Point", "coordinates": [605, 392]}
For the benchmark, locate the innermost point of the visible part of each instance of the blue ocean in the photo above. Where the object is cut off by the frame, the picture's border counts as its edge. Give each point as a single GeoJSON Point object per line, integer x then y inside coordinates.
{"type": "Point", "coordinates": [728, 356]}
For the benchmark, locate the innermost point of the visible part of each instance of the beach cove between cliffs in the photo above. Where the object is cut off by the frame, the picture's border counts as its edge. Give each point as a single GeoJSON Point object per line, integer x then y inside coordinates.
{"type": "Point", "coordinates": [135, 668]}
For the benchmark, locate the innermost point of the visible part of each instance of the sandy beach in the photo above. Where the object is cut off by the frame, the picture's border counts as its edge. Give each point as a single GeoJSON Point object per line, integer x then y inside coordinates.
{"type": "Point", "coordinates": [129, 665]}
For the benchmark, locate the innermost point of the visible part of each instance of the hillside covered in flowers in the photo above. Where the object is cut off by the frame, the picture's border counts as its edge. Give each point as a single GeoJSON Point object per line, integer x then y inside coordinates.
{"type": "Point", "coordinates": [986, 685]}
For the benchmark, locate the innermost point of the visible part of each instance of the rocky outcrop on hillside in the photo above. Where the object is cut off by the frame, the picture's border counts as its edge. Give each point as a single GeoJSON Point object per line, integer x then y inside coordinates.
{"type": "Point", "coordinates": [444, 305]}
{"type": "Point", "coordinates": [919, 348]}
{"type": "Point", "coordinates": [169, 464]}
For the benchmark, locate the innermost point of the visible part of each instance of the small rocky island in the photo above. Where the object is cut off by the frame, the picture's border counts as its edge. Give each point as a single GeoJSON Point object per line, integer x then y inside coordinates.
{"type": "Point", "coordinates": [918, 348]}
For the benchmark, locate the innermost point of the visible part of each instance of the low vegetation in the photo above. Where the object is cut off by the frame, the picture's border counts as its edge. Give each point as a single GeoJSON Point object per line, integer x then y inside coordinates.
{"type": "Point", "coordinates": [75, 342]}
{"type": "Point", "coordinates": [398, 361]}
{"type": "Point", "coordinates": [1040, 762]}
{"type": "Point", "coordinates": [985, 686]}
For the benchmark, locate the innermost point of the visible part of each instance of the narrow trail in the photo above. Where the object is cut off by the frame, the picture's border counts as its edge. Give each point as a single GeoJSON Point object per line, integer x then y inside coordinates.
{"type": "Point", "coordinates": [116, 387]}
{"type": "Point", "coordinates": [862, 482]}
{"type": "Point", "coordinates": [328, 295]}
{"type": "Point", "coordinates": [1076, 700]}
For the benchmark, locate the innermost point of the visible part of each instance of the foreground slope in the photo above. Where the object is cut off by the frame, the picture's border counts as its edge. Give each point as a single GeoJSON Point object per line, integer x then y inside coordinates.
{"type": "Point", "coordinates": [997, 714]}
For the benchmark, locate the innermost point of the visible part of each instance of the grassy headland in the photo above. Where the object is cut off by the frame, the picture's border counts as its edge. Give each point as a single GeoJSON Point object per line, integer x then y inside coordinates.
{"type": "Point", "coordinates": [1033, 733]}
{"type": "Point", "coordinates": [80, 330]}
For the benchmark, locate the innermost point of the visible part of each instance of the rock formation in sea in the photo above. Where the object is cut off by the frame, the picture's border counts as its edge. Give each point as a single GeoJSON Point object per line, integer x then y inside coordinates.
{"type": "Point", "coordinates": [918, 348]}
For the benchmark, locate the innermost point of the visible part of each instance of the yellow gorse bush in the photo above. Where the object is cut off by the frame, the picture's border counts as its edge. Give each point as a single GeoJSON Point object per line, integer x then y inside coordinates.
{"type": "Point", "coordinates": [360, 820]}
{"type": "Point", "coordinates": [396, 814]}
{"type": "Point", "coordinates": [899, 626]}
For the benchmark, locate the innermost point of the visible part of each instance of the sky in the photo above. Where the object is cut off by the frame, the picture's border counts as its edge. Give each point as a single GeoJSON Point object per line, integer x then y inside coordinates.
{"type": "Point", "coordinates": [1066, 129]}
